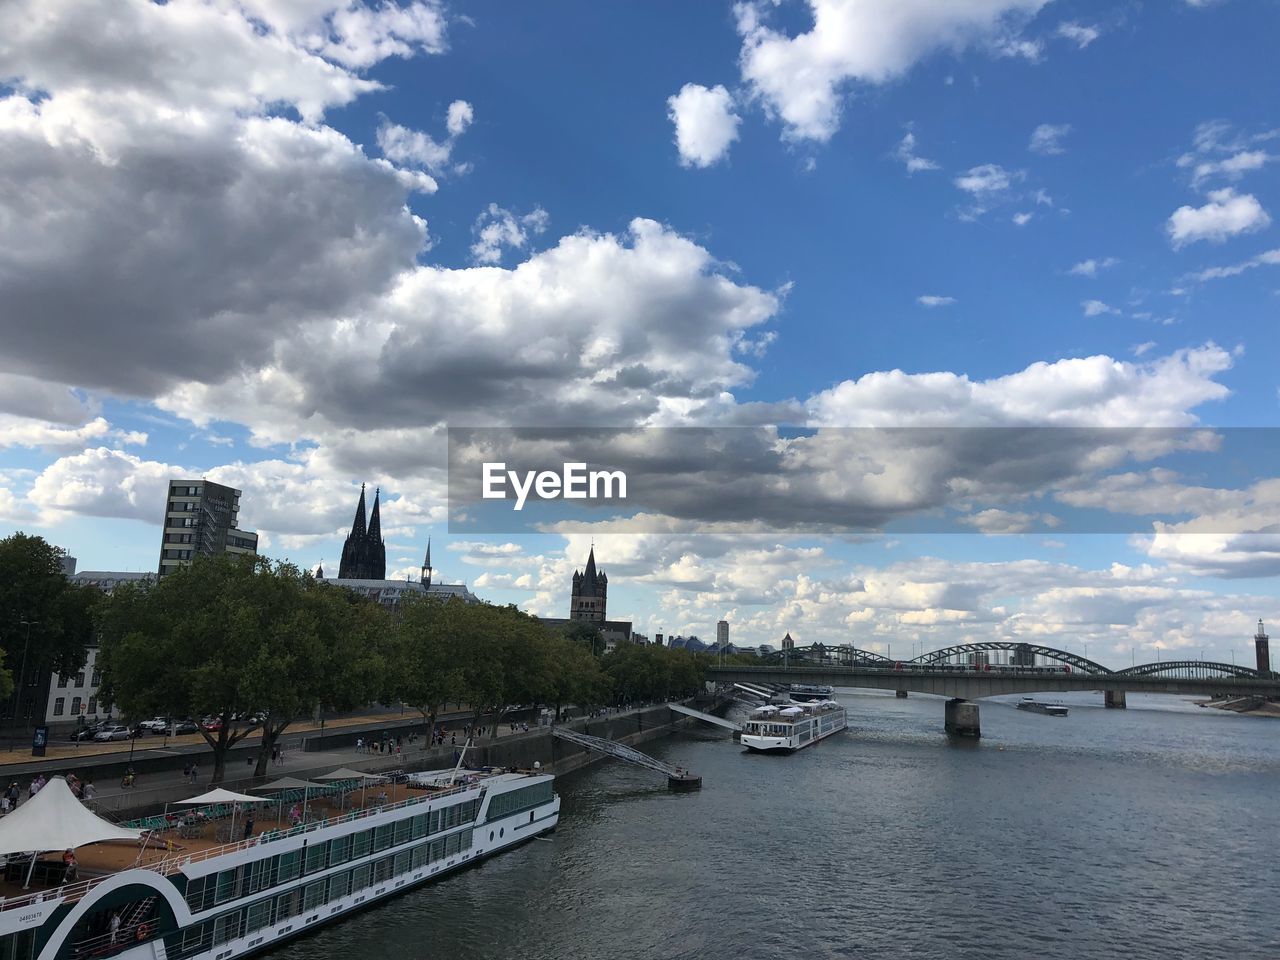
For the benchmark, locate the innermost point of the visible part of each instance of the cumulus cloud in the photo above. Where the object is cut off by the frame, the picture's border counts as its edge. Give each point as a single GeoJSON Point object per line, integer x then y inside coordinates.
{"type": "Point", "coordinates": [498, 228]}
{"type": "Point", "coordinates": [931, 300]}
{"type": "Point", "coordinates": [802, 79]}
{"type": "Point", "coordinates": [906, 152]}
{"type": "Point", "coordinates": [1226, 215]}
{"type": "Point", "coordinates": [705, 121]}
{"type": "Point", "coordinates": [1047, 138]}
{"type": "Point", "coordinates": [1095, 308]}
{"type": "Point", "coordinates": [985, 180]}
{"type": "Point", "coordinates": [1080, 34]}
{"type": "Point", "coordinates": [1090, 267]}
{"type": "Point", "coordinates": [414, 148]}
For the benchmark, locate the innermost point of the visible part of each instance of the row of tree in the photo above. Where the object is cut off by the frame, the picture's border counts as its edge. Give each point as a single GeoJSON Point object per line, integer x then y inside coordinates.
{"type": "Point", "coordinates": [228, 636]}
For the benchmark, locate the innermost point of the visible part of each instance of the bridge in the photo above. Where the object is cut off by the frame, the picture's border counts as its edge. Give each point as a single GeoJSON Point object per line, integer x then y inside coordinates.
{"type": "Point", "coordinates": [969, 672]}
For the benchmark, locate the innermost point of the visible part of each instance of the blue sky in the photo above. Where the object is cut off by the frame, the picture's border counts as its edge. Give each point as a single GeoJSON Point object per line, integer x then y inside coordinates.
{"type": "Point", "coordinates": [309, 236]}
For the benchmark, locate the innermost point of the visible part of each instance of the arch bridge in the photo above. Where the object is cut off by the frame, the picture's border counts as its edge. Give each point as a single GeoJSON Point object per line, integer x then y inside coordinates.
{"type": "Point", "coordinates": [966, 672]}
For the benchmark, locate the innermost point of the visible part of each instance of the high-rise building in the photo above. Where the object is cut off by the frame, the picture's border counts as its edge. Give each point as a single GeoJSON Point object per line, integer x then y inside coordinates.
{"type": "Point", "coordinates": [722, 634]}
{"type": "Point", "coordinates": [364, 555]}
{"type": "Point", "coordinates": [1262, 646]}
{"type": "Point", "coordinates": [200, 520]}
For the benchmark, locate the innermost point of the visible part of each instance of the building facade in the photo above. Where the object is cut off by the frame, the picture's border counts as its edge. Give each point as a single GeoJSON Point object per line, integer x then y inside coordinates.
{"type": "Point", "coordinates": [201, 520]}
{"type": "Point", "coordinates": [590, 592]}
{"type": "Point", "coordinates": [75, 696]}
{"type": "Point", "coordinates": [364, 554]}
{"type": "Point", "coordinates": [722, 634]}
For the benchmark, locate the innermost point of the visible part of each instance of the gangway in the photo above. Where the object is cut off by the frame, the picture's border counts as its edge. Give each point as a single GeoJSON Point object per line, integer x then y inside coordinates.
{"type": "Point", "coordinates": [755, 690]}
{"type": "Point", "coordinates": [677, 777]}
{"type": "Point", "coordinates": [709, 718]}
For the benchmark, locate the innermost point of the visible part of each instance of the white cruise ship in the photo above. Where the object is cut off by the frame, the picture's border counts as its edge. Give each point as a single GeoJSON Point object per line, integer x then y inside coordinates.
{"type": "Point", "coordinates": [192, 888]}
{"type": "Point", "coordinates": [787, 727]}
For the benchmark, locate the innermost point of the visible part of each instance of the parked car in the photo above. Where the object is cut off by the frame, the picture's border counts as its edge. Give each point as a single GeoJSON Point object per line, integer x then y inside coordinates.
{"type": "Point", "coordinates": [87, 732]}
{"type": "Point", "coordinates": [155, 725]}
{"type": "Point", "coordinates": [212, 724]}
{"type": "Point", "coordinates": [186, 726]}
{"type": "Point", "coordinates": [113, 732]}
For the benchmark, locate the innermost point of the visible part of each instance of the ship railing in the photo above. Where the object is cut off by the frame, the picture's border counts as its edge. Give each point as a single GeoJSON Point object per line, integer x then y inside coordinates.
{"type": "Point", "coordinates": [71, 892]}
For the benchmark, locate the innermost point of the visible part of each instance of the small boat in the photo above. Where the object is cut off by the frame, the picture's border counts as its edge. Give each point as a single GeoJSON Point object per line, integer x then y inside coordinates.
{"type": "Point", "coordinates": [808, 692]}
{"type": "Point", "coordinates": [1035, 706]}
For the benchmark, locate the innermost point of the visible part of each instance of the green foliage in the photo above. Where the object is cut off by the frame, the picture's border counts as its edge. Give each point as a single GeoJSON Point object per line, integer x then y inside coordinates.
{"type": "Point", "coordinates": [646, 672]}
{"type": "Point", "coordinates": [240, 635]}
{"type": "Point", "coordinates": [34, 589]}
{"type": "Point", "coordinates": [586, 634]}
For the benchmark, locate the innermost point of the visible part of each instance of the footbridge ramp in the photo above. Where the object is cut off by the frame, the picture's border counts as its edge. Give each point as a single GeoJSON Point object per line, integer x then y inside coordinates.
{"type": "Point", "coordinates": [676, 776]}
{"type": "Point", "coordinates": [709, 718]}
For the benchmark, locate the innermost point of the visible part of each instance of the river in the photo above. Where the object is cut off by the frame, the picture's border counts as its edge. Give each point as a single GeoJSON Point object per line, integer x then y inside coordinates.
{"type": "Point", "coordinates": [1144, 833]}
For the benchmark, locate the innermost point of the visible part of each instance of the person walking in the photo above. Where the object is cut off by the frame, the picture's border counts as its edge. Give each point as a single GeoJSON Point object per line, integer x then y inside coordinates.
{"type": "Point", "coordinates": [194, 773]}
{"type": "Point", "coordinates": [69, 866]}
{"type": "Point", "coordinates": [248, 826]}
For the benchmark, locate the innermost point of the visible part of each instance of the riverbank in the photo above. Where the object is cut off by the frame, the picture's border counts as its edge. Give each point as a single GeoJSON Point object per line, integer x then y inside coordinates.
{"type": "Point", "coordinates": [1245, 706]}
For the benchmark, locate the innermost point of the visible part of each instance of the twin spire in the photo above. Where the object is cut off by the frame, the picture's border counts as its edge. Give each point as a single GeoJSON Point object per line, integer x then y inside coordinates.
{"type": "Point", "coordinates": [364, 555]}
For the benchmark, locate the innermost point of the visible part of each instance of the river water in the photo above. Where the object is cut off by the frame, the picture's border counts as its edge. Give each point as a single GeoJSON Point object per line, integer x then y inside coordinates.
{"type": "Point", "coordinates": [1145, 833]}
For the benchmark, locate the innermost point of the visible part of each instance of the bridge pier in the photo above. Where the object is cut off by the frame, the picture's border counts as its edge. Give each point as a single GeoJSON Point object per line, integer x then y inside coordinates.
{"type": "Point", "coordinates": [1113, 699]}
{"type": "Point", "coordinates": [902, 694]}
{"type": "Point", "coordinates": [961, 718]}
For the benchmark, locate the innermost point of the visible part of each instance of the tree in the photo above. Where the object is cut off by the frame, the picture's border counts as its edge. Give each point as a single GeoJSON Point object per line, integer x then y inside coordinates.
{"type": "Point", "coordinates": [587, 634]}
{"type": "Point", "coordinates": [237, 635]}
{"type": "Point", "coordinates": [426, 674]}
{"type": "Point", "coordinates": [576, 676]}
{"type": "Point", "coordinates": [45, 622]}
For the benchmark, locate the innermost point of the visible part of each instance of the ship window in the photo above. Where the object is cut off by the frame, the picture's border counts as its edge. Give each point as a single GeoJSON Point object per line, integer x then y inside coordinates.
{"type": "Point", "coordinates": [360, 843]}
{"type": "Point", "coordinates": [339, 850]}
{"type": "Point", "coordinates": [195, 894]}
{"type": "Point", "coordinates": [226, 888]}
{"type": "Point", "coordinates": [288, 904]}
{"type": "Point", "coordinates": [464, 839]}
{"type": "Point", "coordinates": [313, 896]}
{"type": "Point", "coordinates": [360, 877]}
{"type": "Point", "coordinates": [257, 916]}
{"type": "Point", "coordinates": [403, 828]}
{"type": "Point", "coordinates": [316, 856]}
{"type": "Point", "coordinates": [435, 822]}
{"type": "Point", "coordinates": [339, 885]}
{"type": "Point", "coordinates": [227, 927]}
{"type": "Point", "coordinates": [289, 865]}
{"type": "Point", "coordinates": [451, 845]}
{"type": "Point", "coordinates": [193, 937]}
{"type": "Point", "coordinates": [382, 837]}
{"type": "Point", "coordinates": [421, 854]}
{"type": "Point", "coordinates": [401, 864]}
{"type": "Point", "coordinates": [18, 946]}
{"type": "Point", "coordinates": [382, 870]}
{"type": "Point", "coordinates": [419, 826]}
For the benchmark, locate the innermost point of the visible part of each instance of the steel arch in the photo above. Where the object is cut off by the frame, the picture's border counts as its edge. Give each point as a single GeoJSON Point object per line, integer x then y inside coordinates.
{"type": "Point", "coordinates": [1193, 669]}
{"type": "Point", "coordinates": [1076, 662]}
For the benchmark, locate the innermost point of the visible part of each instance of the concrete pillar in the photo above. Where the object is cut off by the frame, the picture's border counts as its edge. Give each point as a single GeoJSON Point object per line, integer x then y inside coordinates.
{"type": "Point", "coordinates": [902, 694]}
{"type": "Point", "coordinates": [1114, 699]}
{"type": "Point", "coordinates": [961, 718]}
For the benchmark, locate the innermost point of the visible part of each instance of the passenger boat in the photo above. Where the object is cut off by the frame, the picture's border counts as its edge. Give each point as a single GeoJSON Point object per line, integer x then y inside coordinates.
{"type": "Point", "coordinates": [808, 692]}
{"type": "Point", "coordinates": [154, 895]}
{"type": "Point", "coordinates": [787, 727]}
{"type": "Point", "coordinates": [1035, 706]}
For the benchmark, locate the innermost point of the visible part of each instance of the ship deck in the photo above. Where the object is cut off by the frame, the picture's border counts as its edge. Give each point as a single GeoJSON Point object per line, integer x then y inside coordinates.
{"type": "Point", "coordinates": [194, 836]}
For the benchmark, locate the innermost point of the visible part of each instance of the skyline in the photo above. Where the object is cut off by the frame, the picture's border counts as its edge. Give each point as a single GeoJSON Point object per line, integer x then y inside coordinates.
{"type": "Point", "coordinates": [348, 227]}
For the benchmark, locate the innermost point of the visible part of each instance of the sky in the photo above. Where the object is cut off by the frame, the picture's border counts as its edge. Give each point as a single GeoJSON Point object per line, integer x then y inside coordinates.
{"type": "Point", "coordinates": [287, 244]}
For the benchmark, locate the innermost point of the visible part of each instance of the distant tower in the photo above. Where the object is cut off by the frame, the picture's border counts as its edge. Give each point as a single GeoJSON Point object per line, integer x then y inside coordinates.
{"type": "Point", "coordinates": [788, 643]}
{"type": "Point", "coordinates": [426, 566]}
{"type": "Point", "coordinates": [1262, 645]}
{"type": "Point", "coordinates": [320, 571]}
{"type": "Point", "coordinates": [590, 591]}
{"type": "Point", "coordinates": [364, 555]}
{"type": "Point", "coordinates": [722, 634]}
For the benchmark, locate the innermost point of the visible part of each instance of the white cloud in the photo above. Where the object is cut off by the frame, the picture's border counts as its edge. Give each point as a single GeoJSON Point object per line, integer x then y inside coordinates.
{"type": "Point", "coordinates": [802, 79]}
{"type": "Point", "coordinates": [1047, 138]}
{"type": "Point", "coordinates": [1022, 219]}
{"type": "Point", "coordinates": [1268, 258]}
{"type": "Point", "coordinates": [1227, 214]}
{"type": "Point", "coordinates": [705, 123]}
{"type": "Point", "coordinates": [985, 179]}
{"type": "Point", "coordinates": [402, 145]}
{"type": "Point", "coordinates": [497, 228]}
{"type": "Point", "coordinates": [1220, 151]}
{"type": "Point", "coordinates": [1140, 349]}
{"type": "Point", "coordinates": [995, 521]}
{"type": "Point", "coordinates": [931, 300]}
{"type": "Point", "coordinates": [1090, 267]}
{"type": "Point", "coordinates": [1094, 308]}
{"type": "Point", "coordinates": [1080, 34]}
{"type": "Point", "coordinates": [906, 152]}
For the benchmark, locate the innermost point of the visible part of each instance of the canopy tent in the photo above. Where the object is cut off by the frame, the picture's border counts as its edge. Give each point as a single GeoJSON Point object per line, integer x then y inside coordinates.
{"type": "Point", "coordinates": [218, 795]}
{"type": "Point", "coordinates": [346, 773]}
{"type": "Point", "coordinates": [55, 820]}
{"type": "Point", "coordinates": [290, 783]}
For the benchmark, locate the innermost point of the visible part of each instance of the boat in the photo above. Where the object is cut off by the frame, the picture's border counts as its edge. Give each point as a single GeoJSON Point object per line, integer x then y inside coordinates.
{"type": "Point", "coordinates": [1035, 706]}
{"type": "Point", "coordinates": [787, 727]}
{"type": "Point", "coordinates": [808, 693]}
{"type": "Point", "coordinates": [183, 892]}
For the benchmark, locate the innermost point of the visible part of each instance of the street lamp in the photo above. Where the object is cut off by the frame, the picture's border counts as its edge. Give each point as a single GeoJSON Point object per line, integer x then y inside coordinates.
{"type": "Point", "coordinates": [22, 676]}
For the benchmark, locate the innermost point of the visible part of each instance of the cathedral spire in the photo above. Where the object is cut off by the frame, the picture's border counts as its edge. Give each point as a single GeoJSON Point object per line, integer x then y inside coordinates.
{"type": "Point", "coordinates": [375, 518]}
{"type": "Point", "coordinates": [426, 566]}
{"type": "Point", "coordinates": [589, 574]}
{"type": "Point", "coordinates": [357, 527]}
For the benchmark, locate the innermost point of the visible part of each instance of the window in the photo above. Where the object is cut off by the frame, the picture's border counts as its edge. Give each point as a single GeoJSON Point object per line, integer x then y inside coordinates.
{"type": "Point", "coordinates": [97, 679]}
{"type": "Point", "coordinates": [419, 826]}
{"type": "Point", "coordinates": [339, 850]}
{"type": "Point", "coordinates": [382, 837]}
{"type": "Point", "coordinates": [193, 937]}
{"type": "Point", "coordinates": [257, 916]}
{"type": "Point", "coordinates": [403, 827]}
{"type": "Point", "coordinates": [360, 844]}
{"type": "Point", "coordinates": [62, 682]}
{"type": "Point", "coordinates": [288, 905]}
{"type": "Point", "coordinates": [360, 877]}
{"type": "Point", "coordinates": [93, 705]}
{"type": "Point", "coordinates": [382, 870]}
{"type": "Point", "coordinates": [80, 679]}
{"type": "Point", "coordinates": [339, 885]}
{"type": "Point", "coordinates": [313, 896]}
{"type": "Point", "coordinates": [195, 895]}
{"type": "Point", "coordinates": [58, 706]}
{"type": "Point", "coordinates": [421, 854]}
{"type": "Point", "coordinates": [75, 705]}
{"type": "Point", "coordinates": [401, 864]}
{"type": "Point", "coordinates": [226, 888]}
{"type": "Point", "coordinates": [290, 864]}
{"type": "Point", "coordinates": [227, 927]}
{"type": "Point", "coordinates": [317, 854]}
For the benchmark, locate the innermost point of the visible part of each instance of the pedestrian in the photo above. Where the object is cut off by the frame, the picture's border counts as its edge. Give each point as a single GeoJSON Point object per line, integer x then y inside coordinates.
{"type": "Point", "coordinates": [186, 771]}
{"type": "Point", "coordinates": [114, 926]}
{"type": "Point", "coordinates": [248, 826]}
{"type": "Point", "coordinates": [280, 757]}
{"type": "Point", "coordinates": [453, 740]}
{"type": "Point", "coordinates": [90, 791]}
{"type": "Point", "coordinates": [359, 744]}
{"type": "Point", "coordinates": [195, 771]}
{"type": "Point", "coordinates": [69, 865]}
{"type": "Point", "coordinates": [275, 754]}
{"type": "Point", "coordinates": [13, 793]}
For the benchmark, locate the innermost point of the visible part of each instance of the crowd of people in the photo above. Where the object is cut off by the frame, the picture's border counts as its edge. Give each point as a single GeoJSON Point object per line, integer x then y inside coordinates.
{"type": "Point", "coordinates": [13, 794]}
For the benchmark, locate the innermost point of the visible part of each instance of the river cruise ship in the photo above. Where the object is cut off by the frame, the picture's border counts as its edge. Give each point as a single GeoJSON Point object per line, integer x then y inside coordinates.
{"type": "Point", "coordinates": [808, 692]}
{"type": "Point", "coordinates": [192, 887]}
{"type": "Point", "coordinates": [787, 727]}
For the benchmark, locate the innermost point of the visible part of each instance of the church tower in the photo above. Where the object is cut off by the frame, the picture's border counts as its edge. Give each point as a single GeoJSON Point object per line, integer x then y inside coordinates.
{"type": "Point", "coordinates": [590, 591]}
{"type": "Point", "coordinates": [364, 555]}
{"type": "Point", "coordinates": [426, 566]}
{"type": "Point", "coordinates": [1261, 646]}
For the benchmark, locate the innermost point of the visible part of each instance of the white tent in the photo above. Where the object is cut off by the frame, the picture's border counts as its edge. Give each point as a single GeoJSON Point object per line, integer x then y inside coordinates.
{"type": "Point", "coordinates": [55, 820]}
{"type": "Point", "coordinates": [290, 783]}
{"type": "Point", "coordinates": [346, 773]}
{"type": "Point", "coordinates": [219, 795]}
